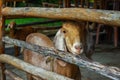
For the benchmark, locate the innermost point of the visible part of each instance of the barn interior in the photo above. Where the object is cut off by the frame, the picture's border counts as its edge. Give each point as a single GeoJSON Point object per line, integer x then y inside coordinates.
{"type": "Point", "coordinates": [106, 36]}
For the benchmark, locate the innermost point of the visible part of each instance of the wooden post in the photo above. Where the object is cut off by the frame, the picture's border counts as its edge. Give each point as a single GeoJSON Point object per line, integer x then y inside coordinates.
{"type": "Point", "coordinates": [14, 4]}
{"type": "Point", "coordinates": [60, 3]}
{"type": "Point", "coordinates": [2, 47]}
{"type": "Point", "coordinates": [2, 20]}
{"type": "Point", "coordinates": [95, 4]}
{"type": "Point", "coordinates": [66, 3]}
{"type": "Point", "coordinates": [87, 3]}
{"type": "Point", "coordinates": [115, 36]}
{"type": "Point", "coordinates": [82, 3]}
{"type": "Point", "coordinates": [76, 3]}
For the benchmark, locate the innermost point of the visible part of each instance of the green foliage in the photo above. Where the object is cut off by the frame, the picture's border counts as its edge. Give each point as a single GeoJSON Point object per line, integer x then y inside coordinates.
{"type": "Point", "coordinates": [36, 2]}
{"type": "Point", "coordinates": [30, 20]}
{"type": "Point", "coordinates": [25, 20]}
{"type": "Point", "coordinates": [51, 1]}
{"type": "Point", "coordinates": [40, 1]}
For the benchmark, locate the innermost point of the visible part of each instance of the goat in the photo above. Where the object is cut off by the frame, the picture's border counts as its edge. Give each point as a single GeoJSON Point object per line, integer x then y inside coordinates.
{"type": "Point", "coordinates": [78, 38]}
{"type": "Point", "coordinates": [71, 37]}
{"type": "Point", "coordinates": [20, 34]}
{"type": "Point", "coordinates": [90, 42]}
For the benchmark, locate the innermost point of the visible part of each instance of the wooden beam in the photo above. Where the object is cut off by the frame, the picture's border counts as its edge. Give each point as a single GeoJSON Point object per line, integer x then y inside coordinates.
{"type": "Point", "coordinates": [110, 72]}
{"type": "Point", "coordinates": [36, 71]}
{"type": "Point", "coordinates": [100, 16]}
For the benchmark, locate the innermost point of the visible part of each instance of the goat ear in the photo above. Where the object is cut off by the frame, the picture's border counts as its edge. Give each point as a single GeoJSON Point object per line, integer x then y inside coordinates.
{"type": "Point", "coordinates": [90, 26]}
{"type": "Point", "coordinates": [61, 63]}
{"type": "Point", "coordinates": [59, 41]}
{"type": "Point", "coordinates": [89, 48]}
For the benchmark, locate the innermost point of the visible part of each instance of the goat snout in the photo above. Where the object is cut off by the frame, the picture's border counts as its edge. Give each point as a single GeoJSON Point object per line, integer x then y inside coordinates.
{"type": "Point", "coordinates": [77, 48]}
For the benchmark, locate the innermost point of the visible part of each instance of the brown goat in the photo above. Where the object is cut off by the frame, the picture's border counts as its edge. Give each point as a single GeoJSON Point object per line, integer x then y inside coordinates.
{"type": "Point", "coordinates": [20, 34]}
{"type": "Point", "coordinates": [71, 37]}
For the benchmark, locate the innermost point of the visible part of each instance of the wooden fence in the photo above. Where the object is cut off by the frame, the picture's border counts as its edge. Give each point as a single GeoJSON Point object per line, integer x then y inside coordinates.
{"type": "Point", "coordinates": [110, 72]}
{"type": "Point", "coordinates": [100, 16]}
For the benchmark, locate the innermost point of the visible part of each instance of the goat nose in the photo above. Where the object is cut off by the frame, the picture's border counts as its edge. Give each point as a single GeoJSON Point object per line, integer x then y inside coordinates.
{"type": "Point", "coordinates": [78, 47]}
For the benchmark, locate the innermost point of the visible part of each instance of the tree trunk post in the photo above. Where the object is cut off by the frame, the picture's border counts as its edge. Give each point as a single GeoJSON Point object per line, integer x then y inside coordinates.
{"type": "Point", "coordinates": [2, 20]}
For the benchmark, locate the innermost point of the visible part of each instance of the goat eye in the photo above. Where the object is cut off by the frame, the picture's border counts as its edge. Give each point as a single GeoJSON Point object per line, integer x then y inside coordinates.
{"type": "Point", "coordinates": [64, 31]}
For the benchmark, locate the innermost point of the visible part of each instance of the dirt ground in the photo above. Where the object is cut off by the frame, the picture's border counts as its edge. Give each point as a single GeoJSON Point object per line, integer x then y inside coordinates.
{"type": "Point", "coordinates": [104, 53]}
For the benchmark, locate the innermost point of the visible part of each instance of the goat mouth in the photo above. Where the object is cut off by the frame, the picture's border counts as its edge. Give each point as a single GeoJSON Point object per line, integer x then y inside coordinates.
{"type": "Point", "coordinates": [78, 52]}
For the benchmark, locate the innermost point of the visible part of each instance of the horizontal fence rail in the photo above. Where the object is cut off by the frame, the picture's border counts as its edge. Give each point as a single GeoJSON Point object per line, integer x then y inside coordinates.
{"type": "Point", "coordinates": [100, 16]}
{"type": "Point", "coordinates": [47, 75]}
{"type": "Point", "coordinates": [108, 71]}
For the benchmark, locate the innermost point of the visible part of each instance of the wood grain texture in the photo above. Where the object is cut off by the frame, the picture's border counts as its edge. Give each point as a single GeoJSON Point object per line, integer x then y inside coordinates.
{"type": "Point", "coordinates": [100, 16]}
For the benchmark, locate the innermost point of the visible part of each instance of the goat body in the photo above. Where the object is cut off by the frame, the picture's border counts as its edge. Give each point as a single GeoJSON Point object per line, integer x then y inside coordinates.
{"type": "Point", "coordinates": [20, 34]}
{"type": "Point", "coordinates": [69, 70]}
{"type": "Point", "coordinates": [72, 37]}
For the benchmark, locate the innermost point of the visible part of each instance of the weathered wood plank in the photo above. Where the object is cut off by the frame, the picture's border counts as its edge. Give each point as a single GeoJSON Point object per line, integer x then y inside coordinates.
{"type": "Point", "coordinates": [108, 71]}
{"type": "Point", "coordinates": [100, 16]}
{"type": "Point", "coordinates": [47, 75]}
